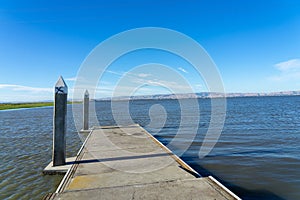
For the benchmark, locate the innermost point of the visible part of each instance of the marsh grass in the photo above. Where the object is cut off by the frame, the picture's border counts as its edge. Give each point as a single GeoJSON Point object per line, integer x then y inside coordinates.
{"type": "Point", "coordinates": [7, 106]}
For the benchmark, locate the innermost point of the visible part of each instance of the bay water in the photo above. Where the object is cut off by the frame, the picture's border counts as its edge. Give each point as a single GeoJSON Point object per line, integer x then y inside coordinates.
{"type": "Point", "coordinates": [257, 156]}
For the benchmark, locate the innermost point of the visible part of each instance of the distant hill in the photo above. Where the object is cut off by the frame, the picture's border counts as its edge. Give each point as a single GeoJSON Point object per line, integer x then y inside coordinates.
{"type": "Point", "coordinates": [202, 95]}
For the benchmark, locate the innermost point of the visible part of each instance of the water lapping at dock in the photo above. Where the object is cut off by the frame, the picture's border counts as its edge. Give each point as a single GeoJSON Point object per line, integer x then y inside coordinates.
{"type": "Point", "coordinates": [257, 155]}
{"type": "Point", "coordinates": [26, 147]}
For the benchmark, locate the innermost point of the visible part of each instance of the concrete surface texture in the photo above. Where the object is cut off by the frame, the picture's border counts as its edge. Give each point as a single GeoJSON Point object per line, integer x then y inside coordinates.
{"type": "Point", "coordinates": [61, 169]}
{"type": "Point", "coordinates": [128, 163]}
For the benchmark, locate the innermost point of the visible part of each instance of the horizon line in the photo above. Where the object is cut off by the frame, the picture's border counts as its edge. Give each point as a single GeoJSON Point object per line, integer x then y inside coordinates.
{"type": "Point", "coordinates": [207, 95]}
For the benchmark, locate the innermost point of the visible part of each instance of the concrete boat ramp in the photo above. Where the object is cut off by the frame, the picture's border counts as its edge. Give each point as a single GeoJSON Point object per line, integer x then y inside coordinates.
{"type": "Point", "coordinates": [126, 162]}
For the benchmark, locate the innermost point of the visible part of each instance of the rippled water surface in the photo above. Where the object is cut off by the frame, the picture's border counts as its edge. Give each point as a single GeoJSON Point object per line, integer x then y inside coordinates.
{"type": "Point", "coordinates": [26, 149]}
{"type": "Point", "coordinates": [257, 155]}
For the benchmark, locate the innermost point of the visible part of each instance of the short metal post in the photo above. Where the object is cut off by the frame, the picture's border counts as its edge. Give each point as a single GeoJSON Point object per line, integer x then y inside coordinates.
{"type": "Point", "coordinates": [59, 123]}
{"type": "Point", "coordinates": [86, 100]}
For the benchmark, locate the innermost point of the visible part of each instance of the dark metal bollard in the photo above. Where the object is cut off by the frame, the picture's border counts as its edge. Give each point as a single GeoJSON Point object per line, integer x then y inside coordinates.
{"type": "Point", "coordinates": [60, 123]}
{"type": "Point", "coordinates": [86, 110]}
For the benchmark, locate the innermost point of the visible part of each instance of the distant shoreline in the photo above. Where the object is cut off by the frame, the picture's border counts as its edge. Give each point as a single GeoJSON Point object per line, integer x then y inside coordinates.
{"type": "Point", "coordinates": [201, 95]}
{"type": "Point", "coordinates": [10, 106]}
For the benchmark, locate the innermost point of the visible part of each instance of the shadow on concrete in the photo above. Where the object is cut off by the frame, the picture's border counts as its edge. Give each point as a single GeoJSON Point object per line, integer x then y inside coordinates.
{"type": "Point", "coordinates": [121, 158]}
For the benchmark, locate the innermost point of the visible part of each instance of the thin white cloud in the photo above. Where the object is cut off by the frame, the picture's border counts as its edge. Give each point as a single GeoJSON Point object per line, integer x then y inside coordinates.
{"type": "Point", "coordinates": [71, 79]}
{"type": "Point", "coordinates": [116, 73]}
{"type": "Point", "coordinates": [180, 88]}
{"type": "Point", "coordinates": [105, 83]}
{"type": "Point", "coordinates": [288, 70]}
{"type": "Point", "coordinates": [132, 75]}
{"type": "Point", "coordinates": [25, 88]}
{"type": "Point", "coordinates": [183, 70]}
{"type": "Point", "coordinates": [142, 75]}
{"type": "Point", "coordinates": [199, 86]}
{"type": "Point", "coordinates": [142, 82]}
{"type": "Point", "coordinates": [290, 65]}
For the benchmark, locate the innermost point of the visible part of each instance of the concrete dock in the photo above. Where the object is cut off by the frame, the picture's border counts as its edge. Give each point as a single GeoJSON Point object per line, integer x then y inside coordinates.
{"type": "Point", "coordinates": [126, 162]}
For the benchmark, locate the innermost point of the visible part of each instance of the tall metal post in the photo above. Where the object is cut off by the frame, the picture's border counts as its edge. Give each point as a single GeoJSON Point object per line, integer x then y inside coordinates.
{"type": "Point", "coordinates": [86, 101]}
{"type": "Point", "coordinates": [60, 123]}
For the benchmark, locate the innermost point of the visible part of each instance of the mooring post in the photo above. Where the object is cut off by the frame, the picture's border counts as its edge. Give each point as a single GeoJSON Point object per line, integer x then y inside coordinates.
{"type": "Point", "coordinates": [59, 123]}
{"type": "Point", "coordinates": [86, 101]}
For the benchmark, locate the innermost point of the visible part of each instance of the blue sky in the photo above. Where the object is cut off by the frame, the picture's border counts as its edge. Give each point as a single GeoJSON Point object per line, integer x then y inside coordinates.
{"type": "Point", "coordinates": [255, 44]}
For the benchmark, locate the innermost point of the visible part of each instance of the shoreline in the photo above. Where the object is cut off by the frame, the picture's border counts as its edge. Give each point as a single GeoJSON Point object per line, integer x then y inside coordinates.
{"type": "Point", "coordinates": [14, 106]}
{"type": "Point", "coordinates": [11, 106]}
{"type": "Point", "coordinates": [28, 105]}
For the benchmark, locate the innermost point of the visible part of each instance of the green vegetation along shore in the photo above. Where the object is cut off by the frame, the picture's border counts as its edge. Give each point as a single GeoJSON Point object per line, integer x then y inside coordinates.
{"type": "Point", "coordinates": [6, 106]}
